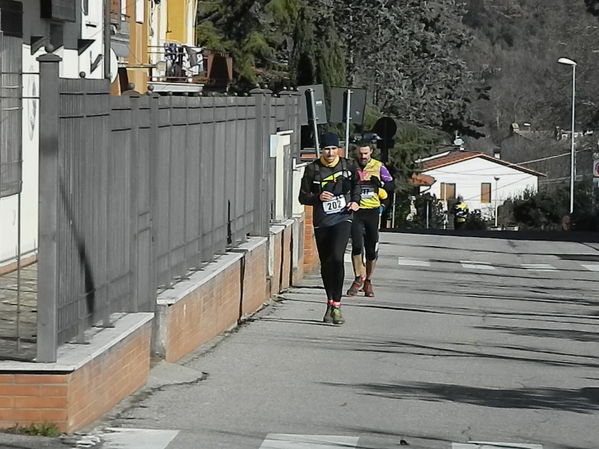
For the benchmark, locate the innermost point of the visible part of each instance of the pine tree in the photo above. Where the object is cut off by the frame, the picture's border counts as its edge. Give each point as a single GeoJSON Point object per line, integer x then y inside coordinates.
{"type": "Point", "coordinates": [255, 32]}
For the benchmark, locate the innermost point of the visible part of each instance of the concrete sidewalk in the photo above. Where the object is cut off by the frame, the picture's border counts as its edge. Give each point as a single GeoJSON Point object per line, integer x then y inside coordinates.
{"type": "Point", "coordinates": [293, 316]}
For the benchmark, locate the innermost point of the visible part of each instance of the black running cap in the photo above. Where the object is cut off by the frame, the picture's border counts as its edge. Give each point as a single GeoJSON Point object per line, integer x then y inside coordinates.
{"type": "Point", "coordinates": [329, 140]}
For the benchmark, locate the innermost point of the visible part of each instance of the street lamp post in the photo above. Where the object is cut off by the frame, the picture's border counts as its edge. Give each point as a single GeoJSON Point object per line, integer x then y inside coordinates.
{"type": "Point", "coordinates": [497, 178]}
{"type": "Point", "coordinates": [571, 63]}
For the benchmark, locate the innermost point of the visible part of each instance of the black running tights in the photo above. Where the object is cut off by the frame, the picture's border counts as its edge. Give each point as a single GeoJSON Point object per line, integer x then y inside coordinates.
{"type": "Point", "coordinates": [331, 243]}
{"type": "Point", "coordinates": [365, 233]}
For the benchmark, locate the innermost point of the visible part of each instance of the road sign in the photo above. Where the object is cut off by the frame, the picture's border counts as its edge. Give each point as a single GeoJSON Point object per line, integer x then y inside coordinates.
{"type": "Point", "coordinates": [596, 168]}
{"type": "Point", "coordinates": [306, 113]}
{"type": "Point", "coordinates": [339, 105]}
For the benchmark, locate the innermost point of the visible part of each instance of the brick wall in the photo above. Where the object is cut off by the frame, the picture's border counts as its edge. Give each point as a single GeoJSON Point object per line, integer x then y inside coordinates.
{"type": "Point", "coordinates": [311, 261]}
{"type": "Point", "coordinates": [255, 293]}
{"type": "Point", "coordinates": [287, 254]}
{"type": "Point", "coordinates": [74, 399]}
{"type": "Point", "coordinates": [282, 254]}
{"type": "Point", "coordinates": [211, 303]}
{"type": "Point", "coordinates": [298, 236]}
{"type": "Point", "coordinates": [276, 244]}
{"type": "Point", "coordinates": [213, 307]}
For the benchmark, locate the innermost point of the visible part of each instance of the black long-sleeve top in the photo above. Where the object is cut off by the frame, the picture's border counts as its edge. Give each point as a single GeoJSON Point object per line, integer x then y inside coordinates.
{"type": "Point", "coordinates": [342, 180]}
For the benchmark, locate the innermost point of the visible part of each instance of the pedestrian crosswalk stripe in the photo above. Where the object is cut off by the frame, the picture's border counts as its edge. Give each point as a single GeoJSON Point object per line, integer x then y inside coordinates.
{"type": "Point", "coordinates": [347, 258]}
{"type": "Point", "coordinates": [413, 262]}
{"type": "Point", "coordinates": [476, 265]}
{"type": "Point", "coordinates": [481, 265]}
{"type": "Point", "coordinates": [120, 437]}
{"type": "Point", "coordinates": [592, 267]}
{"type": "Point", "coordinates": [488, 445]}
{"type": "Point", "coordinates": [538, 267]}
{"type": "Point", "coordinates": [289, 441]}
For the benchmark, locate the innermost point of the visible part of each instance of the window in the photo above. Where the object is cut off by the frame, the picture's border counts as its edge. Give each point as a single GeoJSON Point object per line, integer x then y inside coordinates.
{"type": "Point", "coordinates": [485, 192]}
{"type": "Point", "coordinates": [63, 10]}
{"type": "Point", "coordinates": [447, 191]}
{"type": "Point", "coordinates": [11, 18]}
{"type": "Point", "coordinates": [117, 9]}
{"type": "Point", "coordinates": [56, 35]}
{"type": "Point", "coordinates": [11, 117]}
{"type": "Point", "coordinates": [139, 11]}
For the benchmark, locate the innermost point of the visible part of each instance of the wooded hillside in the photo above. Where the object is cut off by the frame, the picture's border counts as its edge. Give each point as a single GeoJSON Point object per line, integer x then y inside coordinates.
{"type": "Point", "coordinates": [473, 67]}
{"type": "Point", "coordinates": [516, 48]}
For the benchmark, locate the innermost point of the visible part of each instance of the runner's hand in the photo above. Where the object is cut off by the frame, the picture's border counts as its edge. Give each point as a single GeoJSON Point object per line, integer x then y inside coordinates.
{"type": "Point", "coordinates": [353, 206]}
{"type": "Point", "coordinates": [326, 196]}
{"type": "Point", "coordinates": [375, 181]}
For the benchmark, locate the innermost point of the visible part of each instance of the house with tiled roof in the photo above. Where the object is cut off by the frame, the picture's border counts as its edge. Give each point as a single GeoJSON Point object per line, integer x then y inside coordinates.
{"type": "Point", "coordinates": [484, 182]}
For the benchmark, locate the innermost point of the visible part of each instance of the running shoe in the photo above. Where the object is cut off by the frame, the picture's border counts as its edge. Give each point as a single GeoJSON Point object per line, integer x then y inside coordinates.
{"type": "Point", "coordinates": [356, 286]}
{"type": "Point", "coordinates": [368, 291]}
{"type": "Point", "coordinates": [336, 315]}
{"type": "Point", "coordinates": [327, 315]}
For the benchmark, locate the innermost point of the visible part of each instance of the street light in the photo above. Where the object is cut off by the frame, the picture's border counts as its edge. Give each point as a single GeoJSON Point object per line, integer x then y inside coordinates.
{"type": "Point", "coordinates": [571, 63]}
{"type": "Point", "coordinates": [497, 178]}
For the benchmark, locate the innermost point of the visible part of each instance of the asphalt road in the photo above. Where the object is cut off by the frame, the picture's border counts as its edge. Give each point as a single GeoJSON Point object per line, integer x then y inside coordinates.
{"type": "Point", "coordinates": [468, 340]}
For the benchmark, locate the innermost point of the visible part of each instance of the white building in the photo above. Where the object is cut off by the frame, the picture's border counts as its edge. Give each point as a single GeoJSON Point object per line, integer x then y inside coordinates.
{"type": "Point", "coordinates": [76, 31]}
{"type": "Point", "coordinates": [483, 182]}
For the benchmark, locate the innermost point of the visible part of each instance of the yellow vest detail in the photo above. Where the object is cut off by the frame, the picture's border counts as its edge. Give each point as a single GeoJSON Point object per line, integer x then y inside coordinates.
{"type": "Point", "coordinates": [371, 195]}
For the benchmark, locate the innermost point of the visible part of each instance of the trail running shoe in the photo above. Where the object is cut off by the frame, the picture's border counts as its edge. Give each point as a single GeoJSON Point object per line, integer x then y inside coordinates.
{"type": "Point", "coordinates": [368, 291]}
{"type": "Point", "coordinates": [336, 315]}
{"type": "Point", "coordinates": [327, 315]}
{"type": "Point", "coordinates": [356, 286]}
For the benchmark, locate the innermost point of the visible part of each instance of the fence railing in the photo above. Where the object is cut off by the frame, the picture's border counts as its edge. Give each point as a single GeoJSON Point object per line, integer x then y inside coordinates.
{"type": "Point", "coordinates": [137, 191]}
{"type": "Point", "coordinates": [10, 115]}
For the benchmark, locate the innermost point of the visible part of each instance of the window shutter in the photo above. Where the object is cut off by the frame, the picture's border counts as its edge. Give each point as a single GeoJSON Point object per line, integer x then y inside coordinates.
{"type": "Point", "coordinates": [451, 191]}
{"type": "Point", "coordinates": [447, 191]}
{"type": "Point", "coordinates": [485, 192]}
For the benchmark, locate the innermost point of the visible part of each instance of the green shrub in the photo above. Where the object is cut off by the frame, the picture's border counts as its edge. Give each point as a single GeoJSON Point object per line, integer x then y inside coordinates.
{"type": "Point", "coordinates": [41, 430]}
{"type": "Point", "coordinates": [544, 210]}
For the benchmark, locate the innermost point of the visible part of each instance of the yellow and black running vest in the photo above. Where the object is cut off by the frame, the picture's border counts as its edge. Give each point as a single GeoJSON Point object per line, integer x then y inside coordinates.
{"type": "Point", "coordinates": [371, 195]}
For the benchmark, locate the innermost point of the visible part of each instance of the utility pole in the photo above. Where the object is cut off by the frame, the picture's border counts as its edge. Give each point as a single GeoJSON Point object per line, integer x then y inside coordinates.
{"type": "Point", "coordinates": [497, 178]}
{"type": "Point", "coordinates": [107, 47]}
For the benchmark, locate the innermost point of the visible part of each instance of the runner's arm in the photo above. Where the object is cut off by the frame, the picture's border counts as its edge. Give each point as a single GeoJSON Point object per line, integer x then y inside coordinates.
{"type": "Point", "coordinates": [385, 175]}
{"type": "Point", "coordinates": [306, 194]}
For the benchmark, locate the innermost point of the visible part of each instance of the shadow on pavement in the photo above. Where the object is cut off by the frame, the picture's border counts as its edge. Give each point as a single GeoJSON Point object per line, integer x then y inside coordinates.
{"type": "Point", "coordinates": [545, 333]}
{"type": "Point", "coordinates": [583, 400]}
{"type": "Point", "coordinates": [478, 350]}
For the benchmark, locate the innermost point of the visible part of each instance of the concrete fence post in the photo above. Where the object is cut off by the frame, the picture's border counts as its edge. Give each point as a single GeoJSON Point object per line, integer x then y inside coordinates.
{"type": "Point", "coordinates": [47, 338]}
{"type": "Point", "coordinates": [291, 113]}
{"type": "Point", "coordinates": [154, 187]}
{"type": "Point", "coordinates": [261, 197]}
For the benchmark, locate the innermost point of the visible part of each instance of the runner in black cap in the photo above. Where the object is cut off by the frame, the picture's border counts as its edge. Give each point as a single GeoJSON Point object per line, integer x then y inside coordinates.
{"type": "Point", "coordinates": [331, 185]}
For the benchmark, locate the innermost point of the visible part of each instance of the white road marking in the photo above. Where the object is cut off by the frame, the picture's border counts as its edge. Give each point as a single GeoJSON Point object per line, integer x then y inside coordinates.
{"type": "Point", "coordinates": [288, 441]}
{"type": "Point", "coordinates": [592, 267]}
{"type": "Point", "coordinates": [538, 267]}
{"type": "Point", "coordinates": [476, 265]}
{"type": "Point", "coordinates": [347, 258]}
{"type": "Point", "coordinates": [413, 262]}
{"type": "Point", "coordinates": [488, 445]}
{"type": "Point", "coordinates": [124, 438]}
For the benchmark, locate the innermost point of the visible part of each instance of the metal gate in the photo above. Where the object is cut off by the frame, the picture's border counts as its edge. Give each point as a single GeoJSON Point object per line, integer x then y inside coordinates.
{"type": "Point", "coordinates": [17, 282]}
